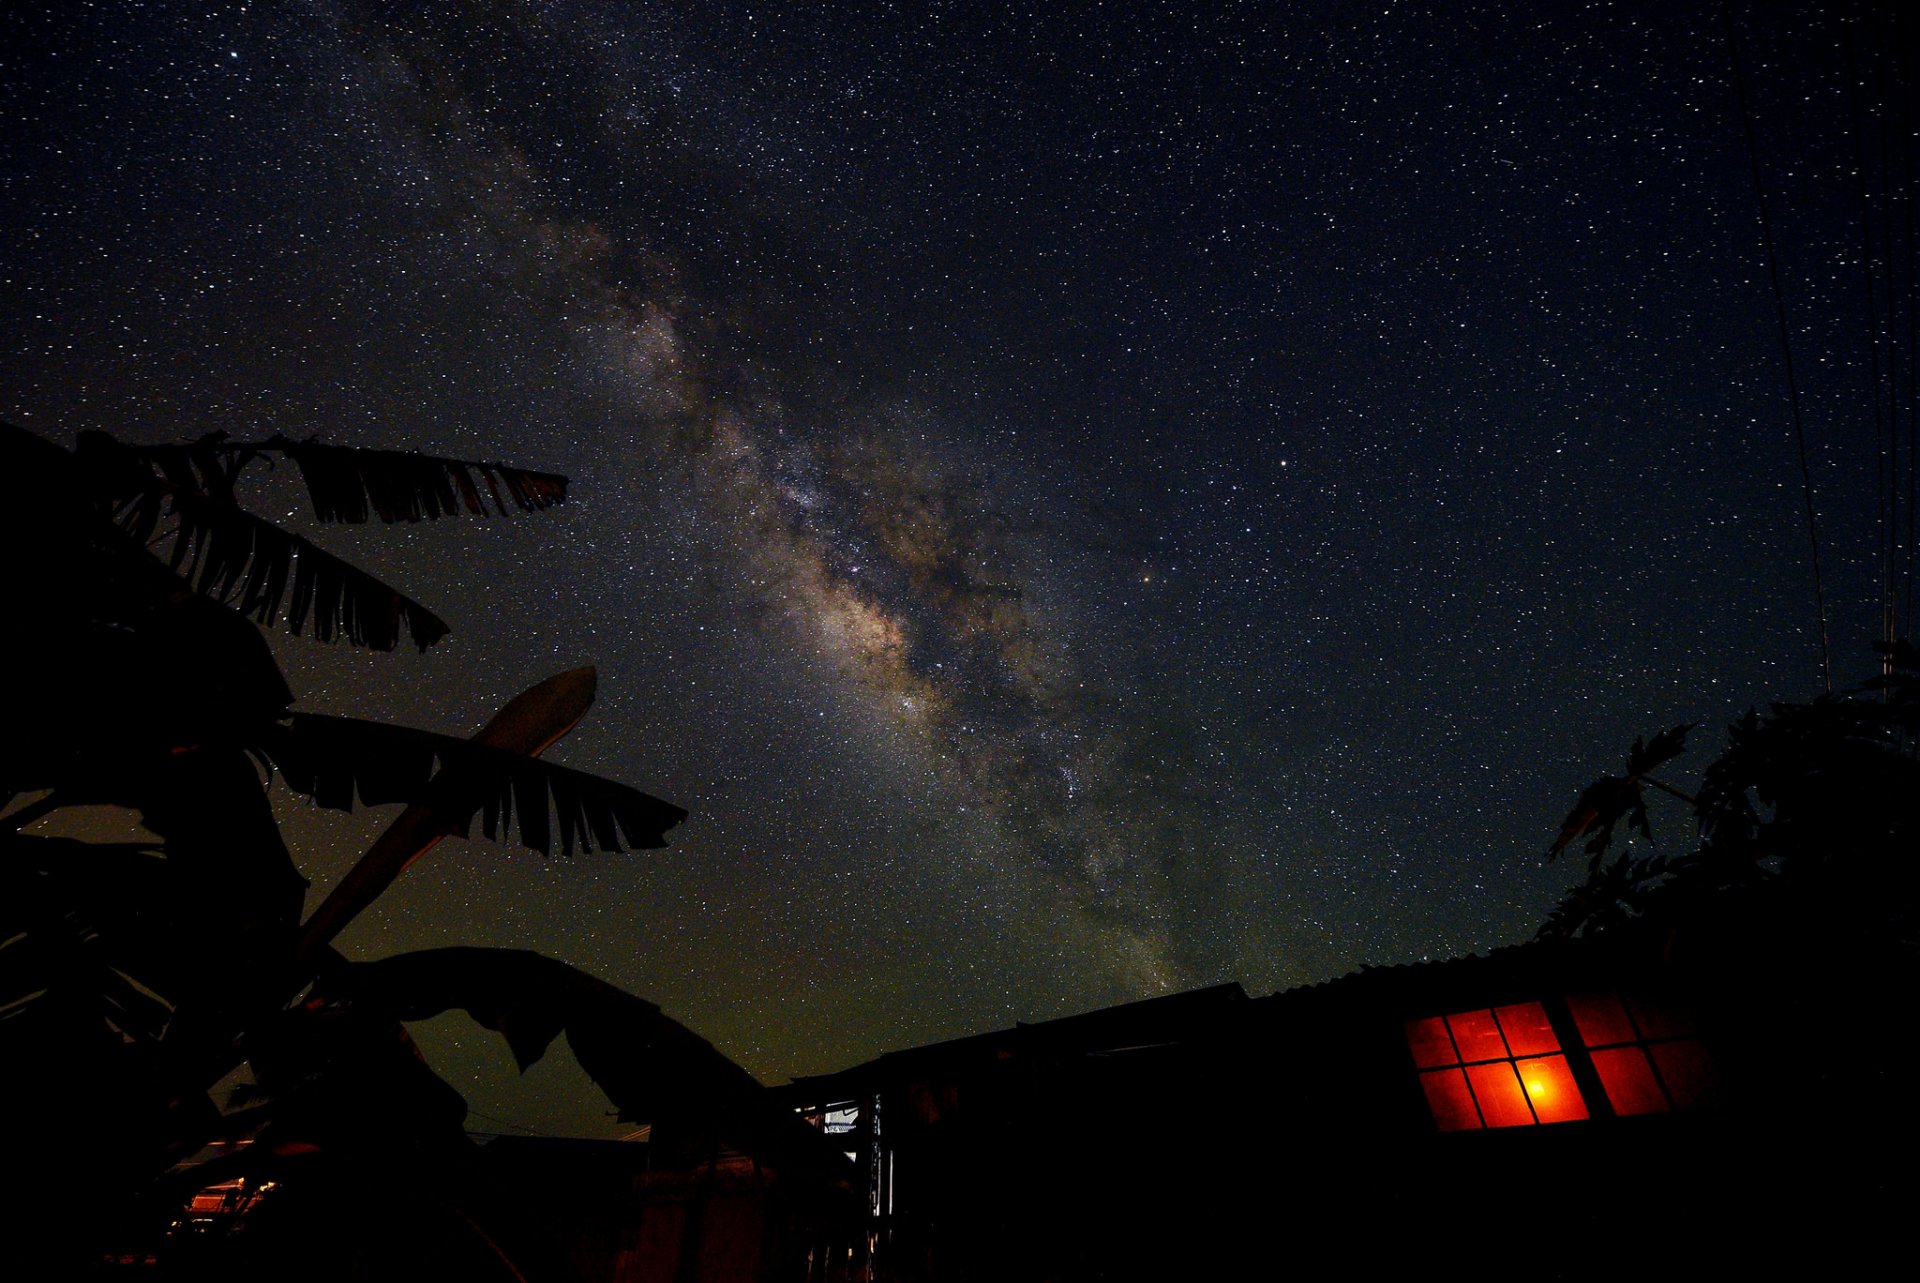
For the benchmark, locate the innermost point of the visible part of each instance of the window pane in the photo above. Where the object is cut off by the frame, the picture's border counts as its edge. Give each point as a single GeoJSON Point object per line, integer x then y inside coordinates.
{"type": "Point", "coordinates": [1551, 1088]}
{"type": "Point", "coordinates": [1476, 1035]}
{"type": "Point", "coordinates": [1601, 1018]}
{"type": "Point", "coordinates": [1687, 1072]}
{"type": "Point", "coordinates": [1629, 1081]}
{"type": "Point", "coordinates": [1449, 1100]}
{"type": "Point", "coordinates": [1502, 1103]}
{"type": "Point", "coordinates": [1428, 1041]}
{"type": "Point", "coordinates": [1660, 1019]}
{"type": "Point", "coordinates": [1525, 1025]}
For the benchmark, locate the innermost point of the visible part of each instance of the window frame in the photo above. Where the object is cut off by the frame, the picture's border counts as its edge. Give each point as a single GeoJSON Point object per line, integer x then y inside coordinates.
{"type": "Point", "coordinates": [1460, 1073]}
{"type": "Point", "coordinates": [1591, 1037]}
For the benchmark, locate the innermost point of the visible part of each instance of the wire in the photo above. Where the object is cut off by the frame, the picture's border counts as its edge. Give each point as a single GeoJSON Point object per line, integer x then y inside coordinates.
{"type": "Point", "coordinates": [1883, 431]}
{"type": "Point", "coordinates": [1905, 89]}
{"type": "Point", "coordinates": [1884, 383]}
{"type": "Point", "coordinates": [1891, 614]}
{"type": "Point", "coordinates": [1786, 347]}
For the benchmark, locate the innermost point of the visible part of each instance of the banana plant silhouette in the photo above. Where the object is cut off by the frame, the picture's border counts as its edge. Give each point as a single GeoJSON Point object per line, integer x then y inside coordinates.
{"type": "Point", "coordinates": [134, 977]}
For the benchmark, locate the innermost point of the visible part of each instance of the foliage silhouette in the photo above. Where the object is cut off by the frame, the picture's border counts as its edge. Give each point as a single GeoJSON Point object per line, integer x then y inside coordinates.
{"type": "Point", "coordinates": [1787, 923]}
{"type": "Point", "coordinates": [1811, 801]}
{"type": "Point", "coordinates": [136, 976]}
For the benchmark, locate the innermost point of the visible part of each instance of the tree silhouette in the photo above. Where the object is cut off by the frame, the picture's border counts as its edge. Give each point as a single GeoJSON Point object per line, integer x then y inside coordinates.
{"type": "Point", "coordinates": [1787, 923]}
{"type": "Point", "coordinates": [136, 976]}
{"type": "Point", "coordinates": [1808, 804]}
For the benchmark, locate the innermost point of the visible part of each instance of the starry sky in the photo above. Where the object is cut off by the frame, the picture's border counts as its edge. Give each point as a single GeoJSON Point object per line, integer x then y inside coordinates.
{"type": "Point", "coordinates": [1078, 501]}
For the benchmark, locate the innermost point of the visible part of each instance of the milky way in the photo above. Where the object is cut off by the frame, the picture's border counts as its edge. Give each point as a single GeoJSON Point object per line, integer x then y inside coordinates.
{"type": "Point", "coordinates": [849, 528]}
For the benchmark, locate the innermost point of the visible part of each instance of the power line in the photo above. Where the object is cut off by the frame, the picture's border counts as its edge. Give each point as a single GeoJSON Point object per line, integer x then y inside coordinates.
{"type": "Point", "coordinates": [1786, 346]}
{"type": "Point", "coordinates": [1881, 272]}
{"type": "Point", "coordinates": [1902, 41]}
{"type": "Point", "coordinates": [1884, 432]}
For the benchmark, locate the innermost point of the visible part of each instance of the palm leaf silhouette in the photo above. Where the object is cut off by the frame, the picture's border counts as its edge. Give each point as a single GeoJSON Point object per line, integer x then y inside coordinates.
{"type": "Point", "coordinates": [333, 759]}
{"type": "Point", "coordinates": [638, 1056]}
{"type": "Point", "coordinates": [527, 726]}
{"type": "Point", "coordinates": [350, 484]}
{"type": "Point", "coordinates": [243, 560]}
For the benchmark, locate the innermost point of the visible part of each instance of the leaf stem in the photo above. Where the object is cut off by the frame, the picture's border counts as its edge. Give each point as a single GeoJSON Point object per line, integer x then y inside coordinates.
{"type": "Point", "coordinates": [1669, 789]}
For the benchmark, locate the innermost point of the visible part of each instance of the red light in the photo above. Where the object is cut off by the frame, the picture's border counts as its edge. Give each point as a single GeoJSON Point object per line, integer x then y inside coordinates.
{"type": "Point", "coordinates": [1550, 1086]}
{"type": "Point", "coordinates": [1450, 1101]}
{"type": "Point", "coordinates": [1502, 1102]}
{"type": "Point", "coordinates": [1631, 1086]}
{"type": "Point", "coordinates": [1527, 1029]}
{"type": "Point", "coordinates": [1428, 1041]}
{"type": "Point", "coordinates": [1477, 1036]}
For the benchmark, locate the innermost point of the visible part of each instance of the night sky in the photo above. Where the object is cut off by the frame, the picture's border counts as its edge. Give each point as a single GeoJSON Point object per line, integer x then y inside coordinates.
{"type": "Point", "coordinates": [1078, 501]}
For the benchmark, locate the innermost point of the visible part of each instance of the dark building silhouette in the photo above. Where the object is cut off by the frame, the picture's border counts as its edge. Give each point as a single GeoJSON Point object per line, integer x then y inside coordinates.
{"type": "Point", "coordinates": [1572, 1109]}
{"type": "Point", "coordinates": [1576, 1109]}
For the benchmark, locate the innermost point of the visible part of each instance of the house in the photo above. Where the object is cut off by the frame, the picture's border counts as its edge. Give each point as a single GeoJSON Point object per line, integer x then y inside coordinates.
{"type": "Point", "coordinates": [1571, 1109]}
{"type": "Point", "coordinates": [1728, 1100]}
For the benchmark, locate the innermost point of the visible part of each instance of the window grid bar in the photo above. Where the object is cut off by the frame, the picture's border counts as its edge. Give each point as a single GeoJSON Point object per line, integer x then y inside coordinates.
{"type": "Point", "coordinates": [1513, 1066]}
{"type": "Point", "coordinates": [1460, 1067]}
{"type": "Point", "coordinates": [1576, 1052]}
{"type": "Point", "coordinates": [1508, 1060]}
{"type": "Point", "coordinates": [1514, 1060]}
{"type": "Point", "coordinates": [1646, 1044]}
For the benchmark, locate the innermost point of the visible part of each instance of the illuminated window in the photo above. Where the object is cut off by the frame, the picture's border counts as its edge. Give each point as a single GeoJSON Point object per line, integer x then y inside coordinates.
{"type": "Point", "coordinates": [1498, 1067]}
{"type": "Point", "coordinates": [1646, 1054]}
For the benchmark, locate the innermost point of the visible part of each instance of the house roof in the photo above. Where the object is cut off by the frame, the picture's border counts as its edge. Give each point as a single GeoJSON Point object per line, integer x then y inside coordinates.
{"type": "Point", "coordinates": [1381, 996]}
{"type": "Point", "coordinates": [1130, 1026]}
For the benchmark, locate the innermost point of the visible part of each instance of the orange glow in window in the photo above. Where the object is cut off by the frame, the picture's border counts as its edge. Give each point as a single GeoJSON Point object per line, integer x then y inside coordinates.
{"type": "Point", "coordinates": [1512, 1074]}
{"type": "Point", "coordinates": [1527, 1030]}
{"type": "Point", "coordinates": [1601, 1019]}
{"type": "Point", "coordinates": [1497, 1089]}
{"type": "Point", "coordinates": [1631, 1086]}
{"type": "Point", "coordinates": [1428, 1041]}
{"type": "Point", "coordinates": [1551, 1090]}
{"type": "Point", "coordinates": [1450, 1101]}
{"type": "Point", "coordinates": [1477, 1036]}
{"type": "Point", "coordinates": [1506, 1066]}
{"type": "Point", "coordinates": [1646, 1063]}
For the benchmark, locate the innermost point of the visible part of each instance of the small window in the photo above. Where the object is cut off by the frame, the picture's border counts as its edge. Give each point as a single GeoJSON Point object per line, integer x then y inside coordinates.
{"type": "Point", "coordinates": [1498, 1067]}
{"type": "Point", "coordinates": [1646, 1053]}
